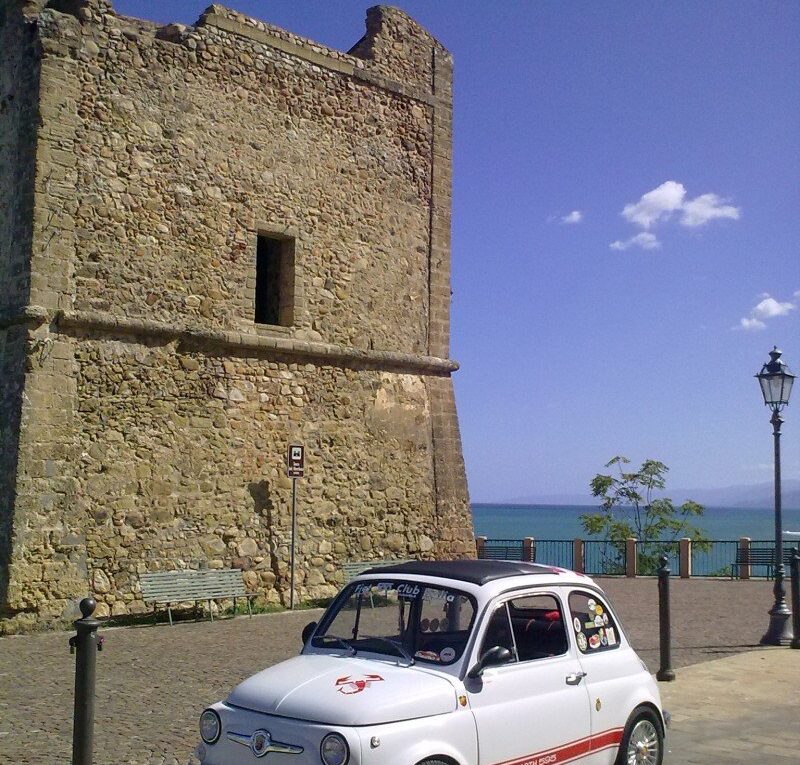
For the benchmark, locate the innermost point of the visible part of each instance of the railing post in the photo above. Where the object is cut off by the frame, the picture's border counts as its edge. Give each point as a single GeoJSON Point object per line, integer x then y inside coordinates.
{"type": "Point", "coordinates": [685, 557]}
{"type": "Point", "coordinates": [84, 644]}
{"type": "Point", "coordinates": [480, 546]}
{"type": "Point", "coordinates": [578, 556]}
{"type": "Point", "coordinates": [529, 549]}
{"type": "Point", "coordinates": [665, 672]}
{"type": "Point", "coordinates": [744, 556]}
{"type": "Point", "coordinates": [794, 567]}
{"type": "Point", "coordinates": [631, 562]}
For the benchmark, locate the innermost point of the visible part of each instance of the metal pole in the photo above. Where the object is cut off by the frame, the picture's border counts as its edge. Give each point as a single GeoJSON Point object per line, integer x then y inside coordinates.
{"type": "Point", "coordinates": [294, 537]}
{"type": "Point", "coordinates": [85, 644]}
{"type": "Point", "coordinates": [779, 631]}
{"type": "Point", "coordinates": [665, 673]}
{"type": "Point", "coordinates": [795, 588]}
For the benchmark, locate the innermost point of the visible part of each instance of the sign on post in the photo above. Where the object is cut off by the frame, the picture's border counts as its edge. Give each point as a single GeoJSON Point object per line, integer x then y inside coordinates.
{"type": "Point", "coordinates": [295, 461]}
{"type": "Point", "coordinates": [295, 468]}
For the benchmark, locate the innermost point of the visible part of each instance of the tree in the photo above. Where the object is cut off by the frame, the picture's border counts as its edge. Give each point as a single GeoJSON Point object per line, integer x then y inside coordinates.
{"type": "Point", "coordinates": [628, 509]}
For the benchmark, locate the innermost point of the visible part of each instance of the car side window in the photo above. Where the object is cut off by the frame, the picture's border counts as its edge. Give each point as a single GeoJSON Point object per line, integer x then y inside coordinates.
{"type": "Point", "coordinates": [595, 628]}
{"type": "Point", "coordinates": [538, 624]}
{"type": "Point", "coordinates": [498, 632]}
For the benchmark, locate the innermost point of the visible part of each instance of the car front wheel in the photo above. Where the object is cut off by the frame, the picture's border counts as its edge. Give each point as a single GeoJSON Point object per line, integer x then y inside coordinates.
{"type": "Point", "coordinates": [643, 740]}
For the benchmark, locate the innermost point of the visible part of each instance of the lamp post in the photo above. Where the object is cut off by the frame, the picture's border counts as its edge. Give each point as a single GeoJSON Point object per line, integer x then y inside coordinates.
{"type": "Point", "coordinates": [776, 385]}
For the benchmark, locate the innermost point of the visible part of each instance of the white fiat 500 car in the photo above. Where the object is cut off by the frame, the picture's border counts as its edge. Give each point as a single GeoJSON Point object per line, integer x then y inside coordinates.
{"type": "Point", "coordinates": [473, 662]}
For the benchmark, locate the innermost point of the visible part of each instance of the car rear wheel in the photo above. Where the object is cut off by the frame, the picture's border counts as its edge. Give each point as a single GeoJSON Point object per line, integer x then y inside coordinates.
{"type": "Point", "coordinates": [643, 739]}
{"type": "Point", "coordinates": [433, 762]}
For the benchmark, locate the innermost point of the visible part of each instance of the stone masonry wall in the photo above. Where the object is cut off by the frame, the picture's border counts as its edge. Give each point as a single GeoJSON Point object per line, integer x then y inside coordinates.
{"type": "Point", "coordinates": [156, 413]}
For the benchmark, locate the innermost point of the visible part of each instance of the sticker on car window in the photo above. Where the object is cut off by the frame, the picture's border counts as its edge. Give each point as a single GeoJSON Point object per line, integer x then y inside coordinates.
{"type": "Point", "coordinates": [611, 636]}
{"type": "Point", "coordinates": [590, 604]}
{"type": "Point", "coordinates": [447, 654]}
{"type": "Point", "coordinates": [428, 655]}
{"type": "Point", "coordinates": [582, 642]}
{"type": "Point", "coordinates": [594, 641]}
{"type": "Point", "coordinates": [576, 623]}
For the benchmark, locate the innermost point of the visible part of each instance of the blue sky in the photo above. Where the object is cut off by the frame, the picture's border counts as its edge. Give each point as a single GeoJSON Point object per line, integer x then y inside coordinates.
{"type": "Point", "coordinates": [625, 229]}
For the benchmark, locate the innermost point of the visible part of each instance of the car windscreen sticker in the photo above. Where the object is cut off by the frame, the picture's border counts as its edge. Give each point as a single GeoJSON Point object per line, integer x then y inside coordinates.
{"type": "Point", "coordinates": [576, 623]}
{"type": "Point", "coordinates": [590, 604]}
{"type": "Point", "coordinates": [582, 641]}
{"type": "Point", "coordinates": [605, 619]}
{"type": "Point", "coordinates": [447, 654]}
{"type": "Point", "coordinates": [611, 636]}
{"type": "Point", "coordinates": [594, 641]}
{"type": "Point", "coordinates": [598, 621]}
{"type": "Point", "coordinates": [598, 609]}
{"type": "Point", "coordinates": [429, 655]}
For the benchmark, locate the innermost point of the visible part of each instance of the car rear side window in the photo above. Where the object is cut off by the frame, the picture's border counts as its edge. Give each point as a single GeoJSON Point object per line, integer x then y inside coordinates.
{"type": "Point", "coordinates": [531, 627]}
{"type": "Point", "coordinates": [594, 627]}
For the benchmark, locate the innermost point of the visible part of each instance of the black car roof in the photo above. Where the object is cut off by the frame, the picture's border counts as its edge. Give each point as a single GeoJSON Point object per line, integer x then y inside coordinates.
{"type": "Point", "coordinates": [473, 571]}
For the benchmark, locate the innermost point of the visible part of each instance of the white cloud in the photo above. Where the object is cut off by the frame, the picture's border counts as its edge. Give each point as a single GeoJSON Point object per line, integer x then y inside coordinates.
{"type": "Point", "coordinates": [706, 207]}
{"type": "Point", "coordinates": [576, 216]}
{"type": "Point", "coordinates": [770, 307]}
{"type": "Point", "coordinates": [644, 240]}
{"type": "Point", "coordinates": [655, 205]}
{"type": "Point", "coordinates": [667, 200]}
{"type": "Point", "coordinates": [751, 324]}
{"type": "Point", "coordinates": [766, 308]}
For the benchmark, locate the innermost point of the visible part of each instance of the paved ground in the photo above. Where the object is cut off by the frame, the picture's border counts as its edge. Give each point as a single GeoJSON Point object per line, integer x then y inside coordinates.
{"type": "Point", "coordinates": [741, 709]}
{"type": "Point", "coordinates": [154, 681]}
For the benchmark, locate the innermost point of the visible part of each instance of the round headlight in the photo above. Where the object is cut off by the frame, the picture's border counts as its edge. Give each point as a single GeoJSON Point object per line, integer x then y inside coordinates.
{"type": "Point", "coordinates": [210, 726]}
{"type": "Point", "coordinates": [334, 750]}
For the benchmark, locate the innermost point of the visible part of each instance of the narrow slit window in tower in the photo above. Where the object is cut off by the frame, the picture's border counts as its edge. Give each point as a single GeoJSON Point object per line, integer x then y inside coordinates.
{"type": "Point", "coordinates": [271, 280]}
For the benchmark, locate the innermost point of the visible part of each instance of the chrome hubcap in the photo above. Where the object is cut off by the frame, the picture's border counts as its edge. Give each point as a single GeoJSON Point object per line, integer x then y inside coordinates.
{"type": "Point", "coordinates": [643, 744]}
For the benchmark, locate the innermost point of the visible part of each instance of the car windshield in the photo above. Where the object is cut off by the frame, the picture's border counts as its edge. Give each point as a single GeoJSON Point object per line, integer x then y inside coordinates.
{"type": "Point", "coordinates": [413, 621]}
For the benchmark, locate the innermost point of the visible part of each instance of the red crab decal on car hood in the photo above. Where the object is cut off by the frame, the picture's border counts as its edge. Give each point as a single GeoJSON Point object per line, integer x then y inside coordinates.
{"type": "Point", "coordinates": [348, 685]}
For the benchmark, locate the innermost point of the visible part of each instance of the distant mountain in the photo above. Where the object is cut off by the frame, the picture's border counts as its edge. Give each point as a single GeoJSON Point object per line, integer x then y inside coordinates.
{"type": "Point", "coordinates": [757, 495]}
{"type": "Point", "coordinates": [761, 495]}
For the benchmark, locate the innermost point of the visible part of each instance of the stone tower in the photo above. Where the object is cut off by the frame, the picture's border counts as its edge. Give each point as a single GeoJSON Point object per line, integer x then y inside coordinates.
{"type": "Point", "coordinates": [216, 240]}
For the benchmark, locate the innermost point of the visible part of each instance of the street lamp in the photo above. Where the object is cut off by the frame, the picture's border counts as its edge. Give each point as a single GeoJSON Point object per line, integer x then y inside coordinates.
{"type": "Point", "coordinates": [776, 385]}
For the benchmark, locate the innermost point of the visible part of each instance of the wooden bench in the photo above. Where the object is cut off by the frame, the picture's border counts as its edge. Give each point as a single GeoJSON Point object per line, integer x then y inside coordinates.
{"type": "Point", "coordinates": [759, 556]}
{"type": "Point", "coordinates": [169, 587]}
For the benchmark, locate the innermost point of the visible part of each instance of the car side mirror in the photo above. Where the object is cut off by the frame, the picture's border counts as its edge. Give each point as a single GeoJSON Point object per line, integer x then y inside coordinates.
{"type": "Point", "coordinates": [308, 631]}
{"type": "Point", "coordinates": [493, 657]}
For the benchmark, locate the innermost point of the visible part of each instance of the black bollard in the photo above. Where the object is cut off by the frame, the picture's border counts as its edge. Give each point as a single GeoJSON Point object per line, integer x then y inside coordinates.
{"type": "Point", "coordinates": [84, 643]}
{"type": "Point", "coordinates": [794, 566]}
{"type": "Point", "coordinates": [665, 672]}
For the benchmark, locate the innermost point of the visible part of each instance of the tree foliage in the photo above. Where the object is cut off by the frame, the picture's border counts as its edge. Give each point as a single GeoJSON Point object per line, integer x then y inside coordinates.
{"type": "Point", "coordinates": [629, 509]}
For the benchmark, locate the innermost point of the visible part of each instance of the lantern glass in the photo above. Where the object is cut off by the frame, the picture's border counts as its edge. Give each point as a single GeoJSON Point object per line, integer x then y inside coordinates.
{"type": "Point", "coordinates": [776, 388]}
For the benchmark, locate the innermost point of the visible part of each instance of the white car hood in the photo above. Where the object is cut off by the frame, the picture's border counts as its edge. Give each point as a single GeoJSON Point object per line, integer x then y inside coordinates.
{"type": "Point", "coordinates": [341, 690]}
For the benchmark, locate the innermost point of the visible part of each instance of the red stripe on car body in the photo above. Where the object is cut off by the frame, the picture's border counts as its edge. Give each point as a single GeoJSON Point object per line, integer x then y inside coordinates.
{"type": "Point", "coordinates": [571, 751]}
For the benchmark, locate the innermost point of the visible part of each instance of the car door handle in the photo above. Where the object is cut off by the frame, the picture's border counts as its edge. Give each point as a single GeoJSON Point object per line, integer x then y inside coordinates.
{"type": "Point", "coordinates": [575, 678]}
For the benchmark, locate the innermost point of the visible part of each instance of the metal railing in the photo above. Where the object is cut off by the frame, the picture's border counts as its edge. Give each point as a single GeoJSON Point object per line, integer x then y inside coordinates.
{"type": "Point", "coordinates": [604, 558]}
{"type": "Point", "coordinates": [709, 558]}
{"type": "Point", "coordinates": [554, 552]}
{"type": "Point", "coordinates": [714, 557]}
{"type": "Point", "coordinates": [648, 554]}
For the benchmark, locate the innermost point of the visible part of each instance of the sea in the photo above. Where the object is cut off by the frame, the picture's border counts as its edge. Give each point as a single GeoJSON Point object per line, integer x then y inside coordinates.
{"type": "Point", "coordinates": [497, 521]}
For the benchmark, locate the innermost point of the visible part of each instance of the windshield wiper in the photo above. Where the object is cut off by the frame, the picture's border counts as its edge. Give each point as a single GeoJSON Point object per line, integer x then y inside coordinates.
{"type": "Point", "coordinates": [341, 641]}
{"type": "Point", "coordinates": [396, 644]}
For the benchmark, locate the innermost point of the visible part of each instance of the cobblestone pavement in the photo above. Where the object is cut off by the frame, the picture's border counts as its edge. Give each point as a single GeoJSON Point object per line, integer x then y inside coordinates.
{"type": "Point", "coordinates": [154, 681]}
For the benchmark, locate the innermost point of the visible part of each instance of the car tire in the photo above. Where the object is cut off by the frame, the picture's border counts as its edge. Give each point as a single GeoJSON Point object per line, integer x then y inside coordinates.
{"type": "Point", "coordinates": [433, 762]}
{"type": "Point", "coordinates": [642, 739]}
